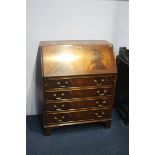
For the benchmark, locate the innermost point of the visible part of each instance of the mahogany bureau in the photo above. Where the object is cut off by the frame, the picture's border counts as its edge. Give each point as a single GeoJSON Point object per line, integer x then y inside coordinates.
{"type": "Point", "coordinates": [78, 80]}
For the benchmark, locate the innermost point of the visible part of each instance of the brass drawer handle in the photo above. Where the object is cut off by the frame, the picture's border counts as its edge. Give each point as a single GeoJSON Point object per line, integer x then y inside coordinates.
{"type": "Point", "coordinates": [61, 119]}
{"type": "Point", "coordinates": [101, 94]}
{"type": "Point", "coordinates": [55, 106]}
{"type": "Point", "coordinates": [55, 118]}
{"type": "Point", "coordinates": [63, 86]}
{"type": "Point", "coordinates": [58, 98]}
{"type": "Point", "coordinates": [58, 83]}
{"type": "Point", "coordinates": [102, 113]}
{"type": "Point", "coordinates": [66, 82]}
{"type": "Point", "coordinates": [104, 101]}
{"type": "Point", "coordinates": [98, 104]}
{"type": "Point", "coordinates": [99, 115]}
{"type": "Point", "coordinates": [102, 80]}
{"type": "Point", "coordinates": [98, 91]}
{"type": "Point", "coordinates": [97, 82]}
{"type": "Point", "coordinates": [62, 105]}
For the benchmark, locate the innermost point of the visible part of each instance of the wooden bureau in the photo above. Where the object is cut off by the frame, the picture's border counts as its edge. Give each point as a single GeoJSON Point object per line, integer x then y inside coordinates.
{"type": "Point", "coordinates": [78, 82]}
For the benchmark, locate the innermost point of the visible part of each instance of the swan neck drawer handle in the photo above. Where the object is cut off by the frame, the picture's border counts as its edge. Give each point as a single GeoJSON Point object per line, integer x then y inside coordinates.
{"type": "Point", "coordinates": [58, 98]}
{"type": "Point", "coordinates": [98, 104]}
{"type": "Point", "coordinates": [97, 82]}
{"type": "Point", "coordinates": [62, 86]}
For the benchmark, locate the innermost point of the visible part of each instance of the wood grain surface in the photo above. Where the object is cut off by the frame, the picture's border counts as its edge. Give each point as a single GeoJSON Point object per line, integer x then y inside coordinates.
{"type": "Point", "coordinates": [77, 105]}
{"type": "Point", "coordinates": [54, 118]}
{"type": "Point", "coordinates": [77, 59]}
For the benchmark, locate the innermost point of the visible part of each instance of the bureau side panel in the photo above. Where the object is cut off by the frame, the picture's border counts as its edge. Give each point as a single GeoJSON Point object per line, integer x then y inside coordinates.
{"type": "Point", "coordinates": [39, 89]}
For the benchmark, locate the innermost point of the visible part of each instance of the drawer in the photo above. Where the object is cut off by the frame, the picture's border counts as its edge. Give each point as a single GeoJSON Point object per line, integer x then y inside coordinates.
{"type": "Point", "coordinates": [69, 94]}
{"type": "Point", "coordinates": [57, 118]}
{"type": "Point", "coordinates": [75, 105]}
{"type": "Point", "coordinates": [78, 81]}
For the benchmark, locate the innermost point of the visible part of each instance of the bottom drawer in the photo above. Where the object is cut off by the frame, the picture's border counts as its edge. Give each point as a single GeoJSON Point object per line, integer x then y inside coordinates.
{"type": "Point", "coordinates": [57, 118]}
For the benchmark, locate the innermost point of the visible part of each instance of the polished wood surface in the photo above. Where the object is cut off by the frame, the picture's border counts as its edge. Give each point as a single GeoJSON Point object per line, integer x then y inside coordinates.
{"type": "Point", "coordinates": [79, 80]}
{"type": "Point", "coordinates": [67, 82]}
{"type": "Point", "coordinates": [80, 59]}
{"type": "Point", "coordinates": [52, 106]}
{"type": "Point", "coordinates": [63, 95]}
{"type": "Point", "coordinates": [54, 118]}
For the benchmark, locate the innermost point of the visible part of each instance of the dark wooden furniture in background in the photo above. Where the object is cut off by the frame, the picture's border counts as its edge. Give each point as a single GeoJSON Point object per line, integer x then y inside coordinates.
{"type": "Point", "coordinates": [78, 79]}
{"type": "Point", "coordinates": [122, 85]}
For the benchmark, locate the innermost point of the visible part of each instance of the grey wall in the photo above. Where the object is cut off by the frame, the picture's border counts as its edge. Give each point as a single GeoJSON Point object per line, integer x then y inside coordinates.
{"type": "Point", "coordinates": [71, 20]}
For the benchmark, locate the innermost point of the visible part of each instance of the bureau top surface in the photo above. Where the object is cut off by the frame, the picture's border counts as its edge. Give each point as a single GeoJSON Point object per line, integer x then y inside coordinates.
{"type": "Point", "coordinates": [67, 58]}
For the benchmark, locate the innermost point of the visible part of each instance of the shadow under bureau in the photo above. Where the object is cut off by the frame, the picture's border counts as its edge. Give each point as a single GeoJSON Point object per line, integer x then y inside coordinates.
{"type": "Point", "coordinates": [78, 82]}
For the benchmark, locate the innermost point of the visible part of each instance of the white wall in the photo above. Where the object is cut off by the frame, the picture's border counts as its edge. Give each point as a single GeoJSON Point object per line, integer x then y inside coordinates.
{"type": "Point", "coordinates": [72, 20]}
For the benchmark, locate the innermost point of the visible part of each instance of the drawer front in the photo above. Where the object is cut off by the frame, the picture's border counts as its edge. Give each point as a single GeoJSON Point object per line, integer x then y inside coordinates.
{"type": "Point", "coordinates": [99, 103]}
{"type": "Point", "coordinates": [57, 118]}
{"type": "Point", "coordinates": [69, 94]}
{"type": "Point", "coordinates": [78, 82]}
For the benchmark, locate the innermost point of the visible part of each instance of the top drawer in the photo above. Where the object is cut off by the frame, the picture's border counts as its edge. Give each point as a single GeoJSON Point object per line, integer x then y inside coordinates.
{"type": "Point", "coordinates": [78, 81]}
